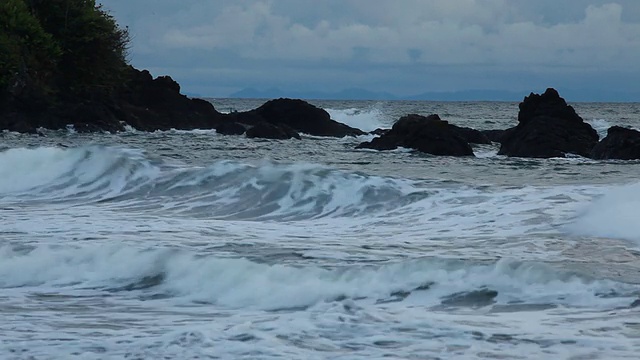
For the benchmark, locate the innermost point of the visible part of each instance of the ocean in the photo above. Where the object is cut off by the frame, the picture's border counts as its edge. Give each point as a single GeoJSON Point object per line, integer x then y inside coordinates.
{"type": "Point", "coordinates": [194, 245]}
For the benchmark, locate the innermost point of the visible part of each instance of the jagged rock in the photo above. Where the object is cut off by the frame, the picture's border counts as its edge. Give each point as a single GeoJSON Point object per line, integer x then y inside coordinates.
{"type": "Point", "coordinates": [426, 134]}
{"type": "Point", "coordinates": [230, 128]}
{"type": "Point", "coordinates": [143, 102]}
{"type": "Point", "coordinates": [620, 143]}
{"type": "Point", "coordinates": [150, 105]}
{"type": "Point", "coordinates": [548, 127]}
{"type": "Point", "coordinates": [266, 130]}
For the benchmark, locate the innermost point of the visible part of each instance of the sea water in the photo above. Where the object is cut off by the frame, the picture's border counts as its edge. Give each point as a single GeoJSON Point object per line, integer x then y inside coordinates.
{"type": "Point", "coordinates": [194, 245]}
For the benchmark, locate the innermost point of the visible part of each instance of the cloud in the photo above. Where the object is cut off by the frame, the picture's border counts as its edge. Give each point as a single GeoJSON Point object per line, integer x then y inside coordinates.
{"type": "Point", "coordinates": [503, 35]}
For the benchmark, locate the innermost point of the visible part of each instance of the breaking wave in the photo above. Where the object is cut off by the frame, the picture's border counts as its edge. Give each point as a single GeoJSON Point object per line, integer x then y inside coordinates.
{"type": "Point", "coordinates": [225, 189]}
{"type": "Point", "coordinates": [240, 283]}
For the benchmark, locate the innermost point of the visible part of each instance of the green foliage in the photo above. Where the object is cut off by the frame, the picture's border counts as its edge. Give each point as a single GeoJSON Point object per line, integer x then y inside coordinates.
{"type": "Point", "coordinates": [24, 45]}
{"type": "Point", "coordinates": [73, 47]}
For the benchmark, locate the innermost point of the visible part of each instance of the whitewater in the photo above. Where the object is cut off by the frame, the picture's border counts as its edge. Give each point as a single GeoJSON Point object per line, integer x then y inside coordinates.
{"type": "Point", "coordinates": [194, 245]}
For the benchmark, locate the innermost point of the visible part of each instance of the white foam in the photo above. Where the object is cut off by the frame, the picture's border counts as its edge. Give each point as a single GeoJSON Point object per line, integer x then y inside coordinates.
{"type": "Point", "coordinates": [93, 170]}
{"type": "Point", "coordinates": [614, 215]}
{"type": "Point", "coordinates": [600, 125]}
{"type": "Point", "coordinates": [24, 168]}
{"type": "Point", "coordinates": [240, 283]}
{"type": "Point", "coordinates": [364, 119]}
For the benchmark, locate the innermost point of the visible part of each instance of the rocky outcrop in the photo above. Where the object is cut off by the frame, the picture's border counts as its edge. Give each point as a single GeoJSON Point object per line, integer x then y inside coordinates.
{"type": "Point", "coordinates": [472, 136]}
{"type": "Point", "coordinates": [150, 104]}
{"type": "Point", "coordinates": [265, 130]}
{"type": "Point", "coordinates": [299, 115]}
{"type": "Point", "coordinates": [548, 127]}
{"type": "Point", "coordinates": [620, 143]}
{"type": "Point", "coordinates": [230, 128]}
{"type": "Point", "coordinates": [427, 134]}
{"type": "Point", "coordinates": [496, 135]}
{"type": "Point", "coordinates": [145, 103]}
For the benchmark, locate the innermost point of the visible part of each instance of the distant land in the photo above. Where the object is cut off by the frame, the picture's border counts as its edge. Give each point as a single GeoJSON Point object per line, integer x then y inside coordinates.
{"type": "Point", "coordinates": [575, 95]}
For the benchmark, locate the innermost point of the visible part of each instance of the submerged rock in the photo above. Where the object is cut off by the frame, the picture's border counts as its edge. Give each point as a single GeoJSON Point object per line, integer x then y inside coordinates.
{"type": "Point", "coordinates": [427, 134]}
{"type": "Point", "coordinates": [548, 127]}
{"type": "Point", "coordinates": [620, 143]}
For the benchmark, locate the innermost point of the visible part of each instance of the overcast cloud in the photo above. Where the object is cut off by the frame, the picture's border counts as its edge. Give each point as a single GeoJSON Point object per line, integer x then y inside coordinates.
{"type": "Point", "coordinates": [405, 47]}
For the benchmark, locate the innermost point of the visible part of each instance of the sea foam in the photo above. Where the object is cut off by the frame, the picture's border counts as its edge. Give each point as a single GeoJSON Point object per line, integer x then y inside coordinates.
{"type": "Point", "coordinates": [613, 215]}
{"type": "Point", "coordinates": [240, 283]}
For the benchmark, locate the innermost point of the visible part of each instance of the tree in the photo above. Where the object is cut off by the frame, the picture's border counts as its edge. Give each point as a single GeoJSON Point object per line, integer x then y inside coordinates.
{"type": "Point", "coordinates": [69, 47]}
{"type": "Point", "coordinates": [27, 52]}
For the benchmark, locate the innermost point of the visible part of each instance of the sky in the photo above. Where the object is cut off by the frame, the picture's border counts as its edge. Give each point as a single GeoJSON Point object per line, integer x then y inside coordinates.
{"type": "Point", "coordinates": [405, 47]}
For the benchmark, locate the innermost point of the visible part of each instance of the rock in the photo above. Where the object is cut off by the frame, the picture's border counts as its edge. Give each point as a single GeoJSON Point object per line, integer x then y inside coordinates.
{"type": "Point", "coordinates": [93, 117]}
{"type": "Point", "coordinates": [473, 136]}
{"type": "Point", "coordinates": [426, 134]}
{"type": "Point", "coordinates": [620, 143]}
{"type": "Point", "coordinates": [379, 131]}
{"type": "Point", "coordinates": [149, 105]}
{"type": "Point", "coordinates": [267, 130]}
{"type": "Point", "coordinates": [548, 127]}
{"type": "Point", "coordinates": [496, 135]}
{"type": "Point", "coordinates": [145, 103]}
{"type": "Point", "coordinates": [230, 128]}
{"type": "Point", "coordinates": [304, 117]}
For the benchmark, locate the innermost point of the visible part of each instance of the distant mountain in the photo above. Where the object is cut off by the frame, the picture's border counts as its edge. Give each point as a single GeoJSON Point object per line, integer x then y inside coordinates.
{"type": "Point", "coordinates": [572, 95]}
{"type": "Point", "coordinates": [347, 94]}
{"type": "Point", "coordinates": [362, 94]}
{"type": "Point", "coordinates": [471, 95]}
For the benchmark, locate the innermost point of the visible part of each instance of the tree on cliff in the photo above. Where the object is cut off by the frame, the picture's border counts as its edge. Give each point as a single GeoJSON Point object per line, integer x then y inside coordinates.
{"type": "Point", "coordinates": [53, 49]}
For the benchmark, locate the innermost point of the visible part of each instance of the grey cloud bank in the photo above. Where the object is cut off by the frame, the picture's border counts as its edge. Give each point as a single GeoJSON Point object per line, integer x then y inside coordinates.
{"type": "Point", "coordinates": [589, 49]}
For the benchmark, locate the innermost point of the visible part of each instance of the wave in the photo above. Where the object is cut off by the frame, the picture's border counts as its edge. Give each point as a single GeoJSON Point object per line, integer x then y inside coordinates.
{"type": "Point", "coordinates": [94, 172]}
{"type": "Point", "coordinates": [225, 189]}
{"type": "Point", "coordinates": [363, 119]}
{"type": "Point", "coordinates": [240, 283]}
{"type": "Point", "coordinates": [613, 215]}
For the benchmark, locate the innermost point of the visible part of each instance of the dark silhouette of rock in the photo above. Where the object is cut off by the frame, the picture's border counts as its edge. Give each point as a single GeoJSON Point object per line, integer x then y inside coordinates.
{"type": "Point", "coordinates": [303, 117]}
{"type": "Point", "coordinates": [230, 128]}
{"type": "Point", "coordinates": [472, 136]}
{"type": "Point", "coordinates": [379, 131]}
{"type": "Point", "coordinates": [426, 134]}
{"type": "Point", "coordinates": [150, 104]}
{"type": "Point", "coordinates": [145, 103]}
{"type": "Point", "coordinates": [267, 130]}
{"type": "Point", "coordinates": [496, 135]}
{"type": "Point", "coordinates": [620, 143]}
{"type": "Point", "coordinates": [548, 127]}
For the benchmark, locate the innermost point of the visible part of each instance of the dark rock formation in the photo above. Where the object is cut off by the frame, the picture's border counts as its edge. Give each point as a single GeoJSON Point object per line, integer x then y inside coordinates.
{"type": "Point", "coordinates": [496, 135]}
{"type": "Point", "coordinates": [620, 143]}
{"type": "Point", "coordinates": [230, 128]}
{"type": "Point", "coordinates": [548, 127]}
{"type": "Point", "coordinates": [145, 103]}
{"type": "Point", "coordinates": [379, 131]}
{"type": "Point", "coordinates": [472, 136]}
{"type": "Point", "coordinates": [150, 104]}
{"type": "Point", "coordinates": [298, 115]}
{"type": "Point", "coordinates": [426, 134]}
{"type": "Point", "coordinates": [267, 130]}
